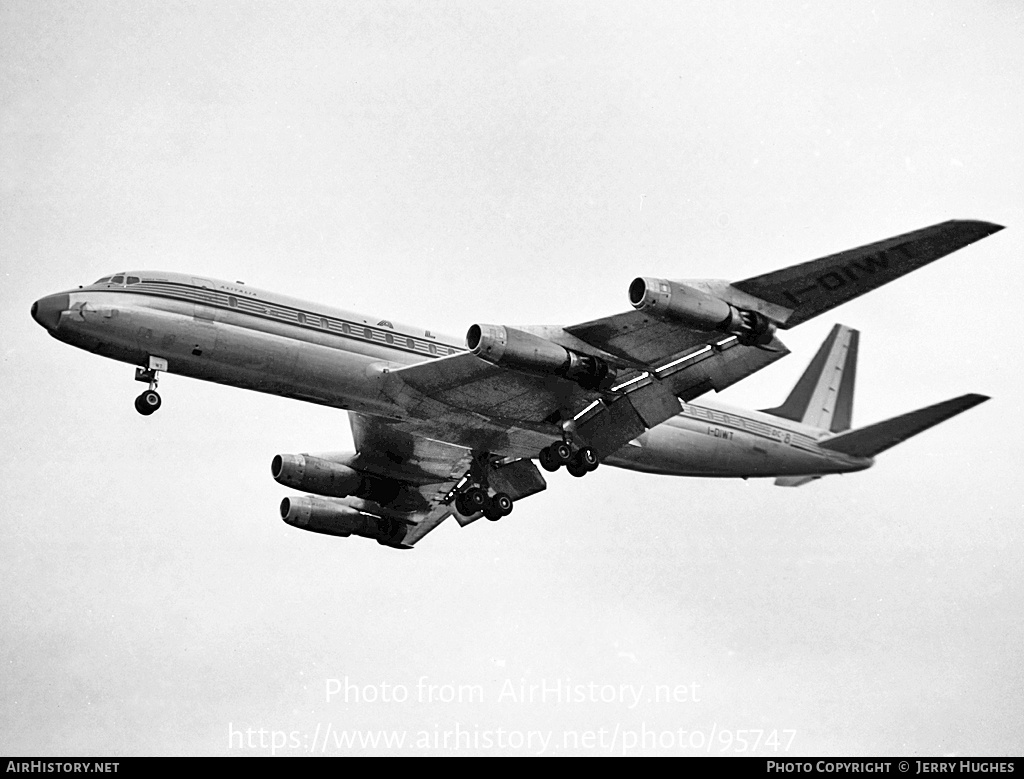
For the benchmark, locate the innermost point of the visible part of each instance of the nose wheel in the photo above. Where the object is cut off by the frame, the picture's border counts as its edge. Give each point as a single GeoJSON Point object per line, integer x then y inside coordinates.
{"type": "Point", "coordinates": [149, 401]}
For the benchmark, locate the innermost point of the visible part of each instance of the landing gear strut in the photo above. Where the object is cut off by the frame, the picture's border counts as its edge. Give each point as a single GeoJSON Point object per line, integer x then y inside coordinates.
{"type": "Point", "coordinates": [475, 496]}
{"type": "Point", "coordinates": [149, 401]}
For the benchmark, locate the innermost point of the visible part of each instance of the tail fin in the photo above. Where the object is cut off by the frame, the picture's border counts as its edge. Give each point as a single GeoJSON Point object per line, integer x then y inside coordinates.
{"type": "Point", "coordinates": [869, 441]}
{"type": "Point", "coordinates": [823, 397]}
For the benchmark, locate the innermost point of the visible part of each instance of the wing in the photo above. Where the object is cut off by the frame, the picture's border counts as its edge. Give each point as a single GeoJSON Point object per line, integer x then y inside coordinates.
{"type": "Point", "coordinates": [814, 287]}
{"type": "Point", "coordinates": [427, 472]}
{"type": "Point", "coordinates": [485, 407]}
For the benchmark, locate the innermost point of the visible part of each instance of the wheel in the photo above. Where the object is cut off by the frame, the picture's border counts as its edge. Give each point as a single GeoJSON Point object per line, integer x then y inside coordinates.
{"type": "Point", "coordinates": [576, 469]}
{"type": "Point", "coordinates": [547, 461]}
{"type": "Point", "coordinates": [474, 499]}
{"type": "Point", "coordinates": [587, 458]}
{"type": "Point", "coordinates": [561, 452]}
{"type": "Point", "coordinates": [492, 512]}
{"type": "Point", "coordinates": [461, 507]}
{"type": "Point", "coordinates": [148, 402]}
{"type": "Point", "coordinates": [503, 503]}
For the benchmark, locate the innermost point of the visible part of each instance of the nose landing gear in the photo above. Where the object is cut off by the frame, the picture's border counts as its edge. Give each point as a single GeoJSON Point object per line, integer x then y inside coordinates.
{"type": "Point", "coordinates": [149, 401]}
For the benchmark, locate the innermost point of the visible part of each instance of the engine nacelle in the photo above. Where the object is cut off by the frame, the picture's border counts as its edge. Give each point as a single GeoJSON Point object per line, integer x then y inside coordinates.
{"type": "Point", "coordinates": [672, 300]}
{"type": "Point", "coordinates": [336, 518]}
{"type": "Point", "coordinates": [332, 479]}
{"type": "Point", "coordinates": [527, 352]}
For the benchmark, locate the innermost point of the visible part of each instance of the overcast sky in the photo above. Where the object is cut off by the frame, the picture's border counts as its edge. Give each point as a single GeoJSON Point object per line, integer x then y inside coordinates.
{"type": "Point", "coordinates": [452, 163]}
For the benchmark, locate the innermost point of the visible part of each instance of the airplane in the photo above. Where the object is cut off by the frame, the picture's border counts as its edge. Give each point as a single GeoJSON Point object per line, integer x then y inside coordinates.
{"type": "Point", "coordinates": [457, 427]}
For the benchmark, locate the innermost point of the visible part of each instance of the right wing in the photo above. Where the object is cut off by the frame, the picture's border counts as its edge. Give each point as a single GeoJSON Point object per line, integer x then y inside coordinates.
{"type": "Point", "coordinates": [814, 287]}
{"type": "Point", "coordinates": [486, 407]}
{"type": "Point", "coordinates": [659, 356]}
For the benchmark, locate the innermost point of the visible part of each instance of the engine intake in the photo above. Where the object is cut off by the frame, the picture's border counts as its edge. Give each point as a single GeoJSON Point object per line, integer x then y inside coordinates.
{"type": "Point", "coordinates": [336, 518]}
{"type": "Point", "coordinates": [671, 300]}
{"type": "Point", "coordinates": [331, 478]}
{"type": "Point", "coordinates": [530, 353]}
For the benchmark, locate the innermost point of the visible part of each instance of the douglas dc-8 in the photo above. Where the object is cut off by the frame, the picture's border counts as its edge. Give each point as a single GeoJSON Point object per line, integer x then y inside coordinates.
{"type": "Point", "coordinates": [450, 427]}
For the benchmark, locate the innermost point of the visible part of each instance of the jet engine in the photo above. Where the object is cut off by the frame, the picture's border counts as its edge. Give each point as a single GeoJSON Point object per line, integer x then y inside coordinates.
{"type": "Point", "coordinates": [671, 300]}
{"type": "Point", "coordinates": [337, 518]}
{"type": "Point", "coordinates": [330, 478]}
{"type": "Point", "coordinates": [530, 353]}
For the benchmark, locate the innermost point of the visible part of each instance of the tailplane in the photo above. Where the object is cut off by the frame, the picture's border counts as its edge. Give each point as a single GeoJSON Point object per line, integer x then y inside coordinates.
{"type": "Point", "coordinates": [873, 439]}
{"type": "Point", "coordinates": [823, 397]}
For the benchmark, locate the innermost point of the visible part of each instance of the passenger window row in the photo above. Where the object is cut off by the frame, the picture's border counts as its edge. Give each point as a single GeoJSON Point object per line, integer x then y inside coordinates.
{"type": "Point", "coordinates": [309, 319]}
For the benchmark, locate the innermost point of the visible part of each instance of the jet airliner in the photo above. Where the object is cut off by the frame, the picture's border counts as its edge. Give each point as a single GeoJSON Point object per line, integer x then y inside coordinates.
{"type": "Point", "coordinates": [457, 427]}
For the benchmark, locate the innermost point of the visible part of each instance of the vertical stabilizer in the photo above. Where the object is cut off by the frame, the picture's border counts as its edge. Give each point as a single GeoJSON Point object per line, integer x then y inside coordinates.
{"type": "Point", "coordinates": [823, 397]}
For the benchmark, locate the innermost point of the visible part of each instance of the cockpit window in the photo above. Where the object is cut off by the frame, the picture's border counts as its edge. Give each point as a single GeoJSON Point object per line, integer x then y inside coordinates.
{"type": "Point", "coordinates": [134, 279]}
{"type": "Point", "coordinates": [117, 280]}
{"type": "Point", "coordinates": [104, 280]}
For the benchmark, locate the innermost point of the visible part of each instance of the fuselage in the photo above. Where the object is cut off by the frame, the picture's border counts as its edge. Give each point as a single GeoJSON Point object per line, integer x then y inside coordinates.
{"type": "Point", "coordinates": [237, 335]}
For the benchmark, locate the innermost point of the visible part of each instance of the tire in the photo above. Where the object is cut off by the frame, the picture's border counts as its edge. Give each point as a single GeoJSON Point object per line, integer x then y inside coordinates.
{"type": "Point", "coordinates": [492, 512]}
{"type": "Point", "coordinates": [547, 462]}
{"type": "Point", "coordinates": [576, 469]}
{"type": "Point", "coordinates": [587, 458]}
{"type": "Point", "coordinates": [502, 503]}
{"type": "Point", "coordinates": [148, 402]}
{"type": "Point", "coordinates": [561, 453]}
{"type": "Point", "coordinates": [474, 499]}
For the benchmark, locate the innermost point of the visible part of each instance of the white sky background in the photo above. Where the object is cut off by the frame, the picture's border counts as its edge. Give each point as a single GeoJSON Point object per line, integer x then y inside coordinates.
{"type": "Point", "coordinates": [446, 164]}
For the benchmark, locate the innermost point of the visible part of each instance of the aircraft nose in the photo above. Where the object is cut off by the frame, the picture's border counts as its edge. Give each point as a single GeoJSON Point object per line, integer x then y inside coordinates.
{"type": "Point", "coordinates": [46, 311]}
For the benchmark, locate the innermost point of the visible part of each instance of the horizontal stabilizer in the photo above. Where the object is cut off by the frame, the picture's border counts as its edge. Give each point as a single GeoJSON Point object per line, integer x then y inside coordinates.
{"type": "Point", "coordinates": [794, 481]}
{"type": "Point", "coordinates": [869, 441]}
{"type": "Point", "coordinates": [814, 287]}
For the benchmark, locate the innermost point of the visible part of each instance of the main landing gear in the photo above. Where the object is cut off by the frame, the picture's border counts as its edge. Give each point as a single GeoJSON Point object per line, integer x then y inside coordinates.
{"type": "Point", "coordinates": [579, 461]}
{"type": "Point", "coordinates": [149, 401]}
{"type": "Point", "coordinates": [475, 496]}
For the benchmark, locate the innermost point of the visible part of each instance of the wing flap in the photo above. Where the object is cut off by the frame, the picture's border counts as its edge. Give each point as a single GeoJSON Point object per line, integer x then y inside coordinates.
{"type": "Point", "coordinates": [655, 398]}
{"type": "Point", "coordinates": [466, 382]}
{"type": "Point", "coordinates": [638, 337]}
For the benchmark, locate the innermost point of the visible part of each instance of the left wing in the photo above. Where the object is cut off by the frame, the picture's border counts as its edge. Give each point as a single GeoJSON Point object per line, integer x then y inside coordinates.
{"type": "Point", "coordinates": [427, 473]}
